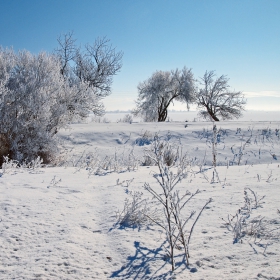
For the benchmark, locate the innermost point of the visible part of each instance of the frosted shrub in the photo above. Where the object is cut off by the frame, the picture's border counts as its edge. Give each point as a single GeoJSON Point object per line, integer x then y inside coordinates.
{"type": "Point", "coordinates": [252, 200]}
{"type": "Point", "coordinates": [97, 119]}
{"type": "Point", "coordinates": [244, 224]}
{"type": "Point", "coordinates": [117, 163]}
{"type": "Point", "coordinates": [132, 162]}
{"type": "Point", "coordinates": [168, 150]}
{"type": "Point", "coordinates": [135, 211]}
{"type": "Point", "coordinates": [127, 119]}
{"type": "Point", "coordinates": [241, 225]}
{"type": "Point", "coordinates": [147, 161]}
{"type": "Point", "coordinates": [95, 164]}
{"type": "Point", "coordinates": [238, 153]}
{"type": "Point", "coordinates": [35, 103]}
{"type": "Point", "coordinates": [32, 105]}
{"type": "Point", "coordinates": [170, 155]}
{"type": "Point", "coordinates": [10, 165]}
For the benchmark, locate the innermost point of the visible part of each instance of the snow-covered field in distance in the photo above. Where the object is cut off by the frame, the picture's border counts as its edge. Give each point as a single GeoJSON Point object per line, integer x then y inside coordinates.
{"type": "Point", "coordinates": [60, 222]}
{"type": "Point", "coordinates": [190, 116]}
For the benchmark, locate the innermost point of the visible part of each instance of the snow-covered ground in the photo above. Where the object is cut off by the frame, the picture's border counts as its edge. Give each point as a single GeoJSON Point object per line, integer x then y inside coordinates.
{"type": "Point", "coordinates": [60, 222]}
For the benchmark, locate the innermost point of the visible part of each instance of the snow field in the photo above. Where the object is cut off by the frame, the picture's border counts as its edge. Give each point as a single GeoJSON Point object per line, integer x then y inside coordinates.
{"type": "Point", "coordinates": [60, 222]}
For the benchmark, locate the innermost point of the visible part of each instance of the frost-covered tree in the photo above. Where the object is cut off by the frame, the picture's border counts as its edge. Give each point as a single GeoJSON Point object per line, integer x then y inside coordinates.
{"type": "Point", "coordinates": [33, 104]}
{"type": "Point", "coordinates": [160, 90]}
{"type": "Point", "coordinates": [215, 99]}
{"type": "Point", "coordinates": [90, 70]}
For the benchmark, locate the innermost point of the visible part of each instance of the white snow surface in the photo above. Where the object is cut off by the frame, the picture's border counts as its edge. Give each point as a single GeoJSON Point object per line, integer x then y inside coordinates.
{"type": "Point", "coordinates": [60, 222]}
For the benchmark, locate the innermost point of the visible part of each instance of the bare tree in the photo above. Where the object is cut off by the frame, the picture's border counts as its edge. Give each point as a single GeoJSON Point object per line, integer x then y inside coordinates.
{"type": "Point", "coordinates": [158, 92]}
{"type": "Point", "coordinates": [90, 71]}
{"type": "Point", "coordinates": [216, 99]}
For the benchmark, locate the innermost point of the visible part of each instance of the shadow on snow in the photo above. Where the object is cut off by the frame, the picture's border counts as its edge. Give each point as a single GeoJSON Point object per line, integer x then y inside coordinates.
{"type": "Point", "coordinates": [139, 265]}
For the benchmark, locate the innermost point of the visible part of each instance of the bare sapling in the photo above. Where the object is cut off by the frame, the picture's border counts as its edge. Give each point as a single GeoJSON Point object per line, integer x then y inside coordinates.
{"type": "Point", "coordinates": [214, 154]}
{"type": "Point", "coordinates": [269, 178]}
{"type": "Point", "coordinates": [183, 235]}
{"type": "Point", "coordinates": [256, 201]}
{"type": "Point", "coordinates": [54, 182]}
{"type": "Point", "coordinates": [174, 222]}
{"type": "Point", "coordinates": [214, 146]}
{"type": "Point", "coordinates": [238, 155]}
{"type": "Point", "coordinates": [242, 148]}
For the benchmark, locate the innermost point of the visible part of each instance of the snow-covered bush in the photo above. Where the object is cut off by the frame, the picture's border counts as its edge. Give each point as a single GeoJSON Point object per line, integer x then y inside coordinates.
{"type": "Point", "coordinates": [126, 119]}
{"type": "Point", "coordinates": [9, 165]}
{"type": "Point", "coordinates": [119, 162]}
{"type": "Point", "coordinates": [147, 161]}
{"type": "Point", "coordinates": [33, 105]}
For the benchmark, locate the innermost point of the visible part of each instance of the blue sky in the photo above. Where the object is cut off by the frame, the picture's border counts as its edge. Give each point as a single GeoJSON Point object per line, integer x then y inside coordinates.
{"type": "Point", "coordinates": [238, 38]}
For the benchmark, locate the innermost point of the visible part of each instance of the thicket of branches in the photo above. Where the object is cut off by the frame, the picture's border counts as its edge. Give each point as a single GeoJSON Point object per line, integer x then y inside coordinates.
{"type": "Point", "coordinates": [90, 69]}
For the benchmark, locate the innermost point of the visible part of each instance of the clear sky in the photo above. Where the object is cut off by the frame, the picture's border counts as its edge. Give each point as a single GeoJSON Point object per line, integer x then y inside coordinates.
{"type": "Point", "coordinates": [238, 38]}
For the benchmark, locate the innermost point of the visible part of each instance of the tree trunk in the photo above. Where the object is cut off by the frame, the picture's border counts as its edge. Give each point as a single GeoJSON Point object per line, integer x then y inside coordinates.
{"type": "Point", "coordinates": [162, 115]}
{"type": "Point", "coordinates": [210, 112]}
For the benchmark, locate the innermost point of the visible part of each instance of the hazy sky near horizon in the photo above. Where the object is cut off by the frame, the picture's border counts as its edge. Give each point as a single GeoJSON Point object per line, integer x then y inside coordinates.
{"type": "Point", "coordinates": [239, 38]}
